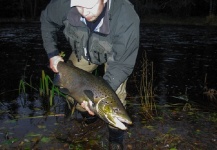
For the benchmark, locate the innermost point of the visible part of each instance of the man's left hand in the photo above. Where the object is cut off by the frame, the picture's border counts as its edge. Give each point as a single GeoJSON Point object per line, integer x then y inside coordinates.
{"type": "Point", "coordinates": [84, 104]}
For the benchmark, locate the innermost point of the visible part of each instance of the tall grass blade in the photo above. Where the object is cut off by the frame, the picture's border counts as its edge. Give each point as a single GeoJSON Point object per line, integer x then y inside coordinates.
{"type": "Point", "coordinates": [146, 89]}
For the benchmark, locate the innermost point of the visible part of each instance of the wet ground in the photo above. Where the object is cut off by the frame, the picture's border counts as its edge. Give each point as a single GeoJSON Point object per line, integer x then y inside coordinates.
{"type": "Point", "coordinates": [184, 63]}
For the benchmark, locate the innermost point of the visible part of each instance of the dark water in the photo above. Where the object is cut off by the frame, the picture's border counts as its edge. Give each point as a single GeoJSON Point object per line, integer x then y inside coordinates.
{"type": "Point", "coordinates": [182, 56]}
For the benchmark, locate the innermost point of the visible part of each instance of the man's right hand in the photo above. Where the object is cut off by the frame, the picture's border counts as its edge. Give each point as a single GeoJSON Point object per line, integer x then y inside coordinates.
{"type": "Point", "coordinates": [54, 61]}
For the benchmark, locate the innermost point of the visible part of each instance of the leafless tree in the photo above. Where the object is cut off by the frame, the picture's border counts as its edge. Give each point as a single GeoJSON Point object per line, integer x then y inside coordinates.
{"type": "Point", "coordinates": [212, 6]}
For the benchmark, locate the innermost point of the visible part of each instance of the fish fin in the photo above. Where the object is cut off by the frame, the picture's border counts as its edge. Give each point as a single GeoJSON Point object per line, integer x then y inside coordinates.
{"type": "Point", "coordinates": [65, 91]}
{"type": "Point", "coordinates": [89, 94]}
{"type": "Point", "coordinates": [56, 80]}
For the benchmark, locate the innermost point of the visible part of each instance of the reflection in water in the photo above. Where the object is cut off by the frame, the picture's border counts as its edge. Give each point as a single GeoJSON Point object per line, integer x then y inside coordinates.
{"type": "Point", "coordinates": [182, 56]}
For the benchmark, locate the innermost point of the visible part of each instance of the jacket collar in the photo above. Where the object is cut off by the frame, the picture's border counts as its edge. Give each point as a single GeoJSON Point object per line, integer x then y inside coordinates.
{"type": "Point", "coordinates": [75, 19]}
{"type": "Point", "coordinates": [105, 28]}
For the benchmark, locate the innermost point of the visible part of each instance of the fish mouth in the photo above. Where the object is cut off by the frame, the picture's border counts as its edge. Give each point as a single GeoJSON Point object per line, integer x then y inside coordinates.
{"type": "Point", "coordinates": [116, 119]}
{"type": "Point", "coordinates": [119, 122]}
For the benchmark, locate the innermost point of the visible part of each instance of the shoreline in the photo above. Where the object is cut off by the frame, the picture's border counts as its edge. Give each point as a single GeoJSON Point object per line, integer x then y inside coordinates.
{"type": "Point", "coordinates": [151, 19]}
{"type": "Point", "coordinates": [165, 20]}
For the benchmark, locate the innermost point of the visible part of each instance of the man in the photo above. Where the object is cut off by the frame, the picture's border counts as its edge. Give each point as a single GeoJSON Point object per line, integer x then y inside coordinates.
{"type": "Point", "coordinates": [99, 32]}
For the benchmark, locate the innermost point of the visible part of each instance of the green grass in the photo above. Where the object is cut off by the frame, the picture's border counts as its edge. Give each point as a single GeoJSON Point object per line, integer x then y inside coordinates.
{"type": "Point", "coordinates": [46, 88]}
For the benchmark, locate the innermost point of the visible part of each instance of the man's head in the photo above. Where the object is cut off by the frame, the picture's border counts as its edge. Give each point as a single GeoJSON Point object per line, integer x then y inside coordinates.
{"type": "Point", "coordinates": [89, 9]}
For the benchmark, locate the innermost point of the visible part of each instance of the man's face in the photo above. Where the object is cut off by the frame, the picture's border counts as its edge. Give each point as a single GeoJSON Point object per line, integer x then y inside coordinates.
{"type": "Point", "coordinates": [91, 14]}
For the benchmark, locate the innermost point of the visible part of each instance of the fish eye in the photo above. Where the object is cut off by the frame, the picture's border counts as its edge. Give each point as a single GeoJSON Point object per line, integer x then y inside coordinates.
{"type": "Point", "coordinates": [115, 110]}
{"type": "Point", "coordinates": [106, 102]}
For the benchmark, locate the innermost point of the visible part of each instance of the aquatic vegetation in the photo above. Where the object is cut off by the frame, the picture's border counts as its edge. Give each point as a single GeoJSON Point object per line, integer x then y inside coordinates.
{"type": "Point", "coordinates": [46, 88]}
{"type": "Point", "coordinates": [210, 93]}
{"type": "Point", "coordinates": [146, 89]}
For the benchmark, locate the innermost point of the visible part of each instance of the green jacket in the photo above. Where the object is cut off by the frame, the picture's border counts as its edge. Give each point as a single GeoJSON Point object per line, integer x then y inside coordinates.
{"type": "Point", "coordinates": [116, 42]}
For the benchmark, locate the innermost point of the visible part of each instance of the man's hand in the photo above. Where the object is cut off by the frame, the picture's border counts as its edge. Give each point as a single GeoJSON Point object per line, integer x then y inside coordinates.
{"type": "Point", "coordinates": [54, 61]}
{"type": "Point", "coordinates": [84, 104]}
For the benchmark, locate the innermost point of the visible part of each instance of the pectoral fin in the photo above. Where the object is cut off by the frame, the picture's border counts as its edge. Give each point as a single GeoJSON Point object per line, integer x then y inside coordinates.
{"type": "Point", "coordinates": [56, 80]}
{"type": "Point", "coordinates": [90, 95]}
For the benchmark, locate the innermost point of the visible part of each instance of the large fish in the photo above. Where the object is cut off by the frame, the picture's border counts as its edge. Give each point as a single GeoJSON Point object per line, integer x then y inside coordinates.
{"type": "Point", "coordinates": [101, 99]}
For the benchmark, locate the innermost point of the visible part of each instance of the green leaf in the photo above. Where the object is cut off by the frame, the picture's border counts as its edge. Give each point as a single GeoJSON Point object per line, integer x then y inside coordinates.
{"type": "Point", "coordinates": [10, 121]}
{"type": "Point", "coordinates": [45, 139]}
{"type": "Point", "coordinates": [8, 142]}
{"type": "Point", "coordinates": [33, 134]}
{"type": "Point", "coordinates": [41, 126]}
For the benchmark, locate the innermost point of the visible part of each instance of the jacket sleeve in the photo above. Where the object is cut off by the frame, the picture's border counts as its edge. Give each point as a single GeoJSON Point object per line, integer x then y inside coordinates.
{"type": "Point", "coordinates": [51, 21]}
{"type": "Point", "coordinates": [124, 53]}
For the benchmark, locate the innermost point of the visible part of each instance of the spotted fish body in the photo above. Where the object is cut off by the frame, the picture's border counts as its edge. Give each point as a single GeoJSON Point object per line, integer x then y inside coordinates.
{"type": "Point", "coordinates": [102, 100]}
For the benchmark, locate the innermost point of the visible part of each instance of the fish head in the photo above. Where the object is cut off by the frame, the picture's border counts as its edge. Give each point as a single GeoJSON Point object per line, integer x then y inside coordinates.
{"type": "Point", "coordinates": [113, 113]}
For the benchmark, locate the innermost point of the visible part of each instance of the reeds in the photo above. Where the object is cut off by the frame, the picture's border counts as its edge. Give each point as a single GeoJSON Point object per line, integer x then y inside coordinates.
{"type": "Point", "coordinates": [46, 88]}
{"type": "Point", "coordinates": [23, 84]}
{"type": "Point", "coordinates": [146, 89]}
{"type": "Point", "coordinates": [210, 93]}
{"type": "Point", "coordinates": [22, 89]}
